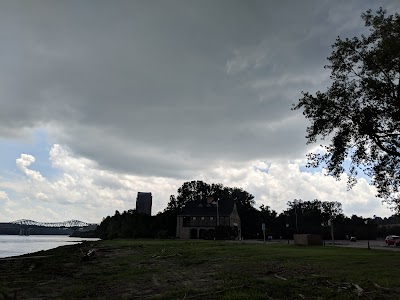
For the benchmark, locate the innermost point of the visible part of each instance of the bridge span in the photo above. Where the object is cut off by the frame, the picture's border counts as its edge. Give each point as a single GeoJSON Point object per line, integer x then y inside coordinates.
{"type": "Point", "coordinates": [70, 223]}
{"type": "Point", "coordinates": [30, 227]}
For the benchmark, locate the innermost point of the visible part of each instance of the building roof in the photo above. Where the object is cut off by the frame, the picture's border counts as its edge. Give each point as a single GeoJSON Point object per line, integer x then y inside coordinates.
{"type": "Point", "coordinates": [202, 208]}
{"type": "Point", "coordinates": [144, 202]}
{"type": "Point", "coordinates": [143, 194]}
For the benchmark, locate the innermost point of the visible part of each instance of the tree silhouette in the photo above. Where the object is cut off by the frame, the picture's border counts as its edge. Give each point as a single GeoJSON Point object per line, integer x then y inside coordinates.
{"type": "Point", "coordinates": [360, 111]}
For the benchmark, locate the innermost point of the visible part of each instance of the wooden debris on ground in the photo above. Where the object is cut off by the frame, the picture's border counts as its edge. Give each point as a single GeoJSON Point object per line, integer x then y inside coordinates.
{"type": "Point", "coordinates": [359, 290]}
{"type": "Point", "coordinates": [216, 292]}
{"type": "Point", "coordinates": [165, 256]}
{"type": "Point", "coordinates": [89, 255]}
{"type": "Point", "coordinates": [280, 277]}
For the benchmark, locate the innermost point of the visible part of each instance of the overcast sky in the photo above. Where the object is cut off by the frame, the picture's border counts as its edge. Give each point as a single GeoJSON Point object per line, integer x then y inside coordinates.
{"type": "Point", "coordinates": [102, 99]}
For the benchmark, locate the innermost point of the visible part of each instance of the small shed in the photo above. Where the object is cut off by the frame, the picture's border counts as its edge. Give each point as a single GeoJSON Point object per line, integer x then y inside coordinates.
{"type": "Point", "coordinates": [307, 239]}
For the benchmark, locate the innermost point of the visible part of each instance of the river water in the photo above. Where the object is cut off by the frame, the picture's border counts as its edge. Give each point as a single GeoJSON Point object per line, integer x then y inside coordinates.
{"type": "Point", "coordinates": [13, 245]}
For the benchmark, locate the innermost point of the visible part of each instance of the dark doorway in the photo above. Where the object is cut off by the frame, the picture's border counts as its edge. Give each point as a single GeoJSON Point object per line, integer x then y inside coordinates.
{"type": "Point", "coordinates": [202, 234]}
{"type": "Point", "coordinates": [210, 234]}
{"type": "Point", "coordinates": [193, 233]}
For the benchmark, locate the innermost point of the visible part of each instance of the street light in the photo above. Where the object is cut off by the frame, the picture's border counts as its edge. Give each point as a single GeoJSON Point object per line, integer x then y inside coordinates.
{"type": "Point", "coordinates": [295, 212]}
{"type": "Point", "coordinates": [323, 224]}
{"type": "Point", "coordinates": [217, 212]}
{"type": "Point", "coordinates": [366, 223]}
{"type": "Point", "coordinates": [330, 223]}
{"type": "Point", "coordinates": [287, 232]}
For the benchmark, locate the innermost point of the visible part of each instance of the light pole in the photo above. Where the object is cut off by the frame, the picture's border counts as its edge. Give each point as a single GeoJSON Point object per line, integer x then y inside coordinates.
{"type": "Point", "coordinates": [323, 224]}
{"type": "Point", "coordinates": [295, 212]}
{"type": "Point", "coordinates": [287, 232]}
{"type": "Point", "coordinates": [217, 213]}
{"type": "Point", "coordinates": [330, 223]}
{"type": "Point", "coordinates": [366, 223]}
{"type": "Point", "coordinates": [216, 228]}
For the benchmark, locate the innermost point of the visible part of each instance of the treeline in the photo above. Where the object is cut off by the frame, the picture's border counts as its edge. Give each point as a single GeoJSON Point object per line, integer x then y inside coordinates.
{"type": "Point", "coordinates": [300, 217]}
{"type": "Point", "coordinates": [131, 224]}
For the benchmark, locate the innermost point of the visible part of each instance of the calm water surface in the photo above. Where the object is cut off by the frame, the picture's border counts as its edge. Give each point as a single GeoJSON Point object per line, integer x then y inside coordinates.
{"type": "Point", "coordinates": [12, 245]}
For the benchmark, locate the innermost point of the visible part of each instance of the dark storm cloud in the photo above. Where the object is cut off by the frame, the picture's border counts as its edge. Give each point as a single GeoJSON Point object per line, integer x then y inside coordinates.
{"type": "Point", "coordinates": [168, 88]}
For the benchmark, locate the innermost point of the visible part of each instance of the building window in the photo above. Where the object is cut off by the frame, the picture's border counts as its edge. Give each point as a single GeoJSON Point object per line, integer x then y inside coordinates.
{"type": "Point", "coordinates": [211, 218]}
{"type": "Point", "coordinates": [186, 222]}
{"type": "Point", "coordinates": [202, 218]}
{"type": "Point", "coordinates": [194, 218]}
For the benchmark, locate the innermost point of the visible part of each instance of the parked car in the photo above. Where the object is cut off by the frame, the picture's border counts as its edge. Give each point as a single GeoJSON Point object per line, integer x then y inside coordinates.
{"type": "Point", "coordinates": [353, 239]}
{"type": "Point", "coordinates": [392, 240]}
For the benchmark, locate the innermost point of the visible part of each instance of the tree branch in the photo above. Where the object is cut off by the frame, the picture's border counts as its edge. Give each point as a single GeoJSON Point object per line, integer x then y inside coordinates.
{"type": "Point", "coordinates": [390, 82]}
{"type": "Point", "coordinates": [382, 147]}
{"type": "Point", "coordinates": [384, 134]}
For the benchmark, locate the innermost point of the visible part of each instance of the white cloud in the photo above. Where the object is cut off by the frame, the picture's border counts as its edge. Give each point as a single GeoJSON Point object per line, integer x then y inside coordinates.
{"type": "Point", "coordinates": [275, 184]}
{"type": "Point", "coordinates": [87, 192]}
{"type": "Point", "coordinates": [24, 162]}
{"type": "Point", "coordinates": [3, 196]}
{"type": "Point", "coordinates": [82, 191]}
{"type": "Point", "coordinates": [42, 196]}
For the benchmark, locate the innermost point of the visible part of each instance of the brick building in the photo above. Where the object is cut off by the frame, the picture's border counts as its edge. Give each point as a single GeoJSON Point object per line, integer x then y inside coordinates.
{"type": "Point", "coordinates": [199, 218]}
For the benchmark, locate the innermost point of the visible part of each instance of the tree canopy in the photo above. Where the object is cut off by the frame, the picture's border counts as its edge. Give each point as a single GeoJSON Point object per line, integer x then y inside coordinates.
{"type": "Point", "coordinates": [360, 112]}
{"type": "Point", "coordinates": [199, 190]}
{"type": "Point", "coordinates": [307, 216]}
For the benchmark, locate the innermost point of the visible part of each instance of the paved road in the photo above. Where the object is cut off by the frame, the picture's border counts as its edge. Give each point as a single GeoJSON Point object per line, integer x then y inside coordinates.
{"type": "Point", "coordinates": [380, 244]}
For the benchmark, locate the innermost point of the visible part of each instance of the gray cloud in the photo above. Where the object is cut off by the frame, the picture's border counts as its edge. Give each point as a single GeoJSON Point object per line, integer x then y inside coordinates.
{"type": "Point", "coordinates": [168, 88]}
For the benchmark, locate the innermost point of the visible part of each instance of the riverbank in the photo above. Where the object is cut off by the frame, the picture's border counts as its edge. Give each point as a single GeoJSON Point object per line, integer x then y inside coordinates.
{"type": "Point", "coordinates": [157, 269]}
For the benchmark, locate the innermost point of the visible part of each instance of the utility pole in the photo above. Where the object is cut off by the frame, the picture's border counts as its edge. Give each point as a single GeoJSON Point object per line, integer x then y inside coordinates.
{"type": "Point", "coordinates": [366, 223]}
{"type": "Point", "coordinates": [330, 222]}
{"type": "Point", "coordinates": [287, 232]}
{"type": "Point", "coordinates": [295, 212]}
{"type": "Point", "coordinates": [217, 212]}
{"type": "Point", "coordinates": [263, 230]}
{"type": "Point", "coordinates": [323, 224]}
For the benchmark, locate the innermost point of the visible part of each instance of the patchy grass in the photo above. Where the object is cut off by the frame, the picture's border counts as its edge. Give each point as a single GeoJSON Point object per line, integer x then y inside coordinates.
{"type": "Point", "coordinates": [157, 269]}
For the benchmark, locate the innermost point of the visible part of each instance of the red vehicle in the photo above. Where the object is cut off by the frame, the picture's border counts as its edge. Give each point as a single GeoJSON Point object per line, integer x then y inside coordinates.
{"type": "Point", "coordinates": [392, 240]}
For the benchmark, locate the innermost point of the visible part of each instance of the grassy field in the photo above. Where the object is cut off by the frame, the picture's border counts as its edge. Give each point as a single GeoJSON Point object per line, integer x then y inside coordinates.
{"type": "Point", "coordinates": [157, 269]}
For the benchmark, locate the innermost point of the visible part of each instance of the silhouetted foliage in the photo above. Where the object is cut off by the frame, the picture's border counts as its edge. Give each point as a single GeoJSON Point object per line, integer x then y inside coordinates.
{"type": "Point", "coordinates": [131, 224]}
{"type": "Point", "coordinates": [308, 216]}
{"type": "Point", "coordinates": [360, 111]}
{"type": "Point", "coordinates": [312, 217]}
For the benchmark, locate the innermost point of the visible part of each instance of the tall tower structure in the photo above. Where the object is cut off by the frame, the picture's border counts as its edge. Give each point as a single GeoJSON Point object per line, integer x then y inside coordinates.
{"type": "Point", "coordinates": [143, 203]}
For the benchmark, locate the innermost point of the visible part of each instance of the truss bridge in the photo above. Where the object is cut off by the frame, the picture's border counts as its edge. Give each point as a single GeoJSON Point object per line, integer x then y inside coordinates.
{"type": "Point", "coordinates": [68, 224]}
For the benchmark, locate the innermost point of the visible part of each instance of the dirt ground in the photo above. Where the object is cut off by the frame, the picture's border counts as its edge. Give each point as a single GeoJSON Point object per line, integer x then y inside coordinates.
{"type": "Point", "coordinates": [176, 269]}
